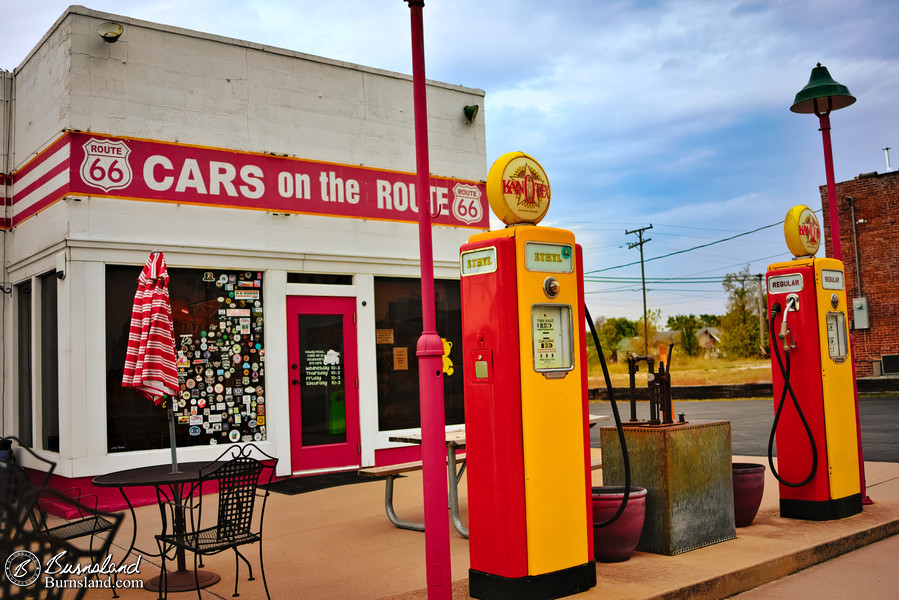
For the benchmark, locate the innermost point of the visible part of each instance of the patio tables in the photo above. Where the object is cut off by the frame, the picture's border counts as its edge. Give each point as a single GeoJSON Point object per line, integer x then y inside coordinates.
{"type": "Point", "coordinates": [455, 440]}
{"type": "Point", "coordinates": [169, 487]}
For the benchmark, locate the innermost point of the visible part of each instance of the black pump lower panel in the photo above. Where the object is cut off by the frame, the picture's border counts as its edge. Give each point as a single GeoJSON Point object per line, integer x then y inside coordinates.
{"type": "Point", "coordinates": [821, 511]}
{"type": "Point", "coordinates": [558, 584]}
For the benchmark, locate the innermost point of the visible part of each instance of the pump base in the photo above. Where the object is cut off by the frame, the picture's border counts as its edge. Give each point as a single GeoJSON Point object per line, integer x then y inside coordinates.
{"type": "Point", "coordinates": [574, 580]}
{"type": "Point", "coordinates": [825, 510]}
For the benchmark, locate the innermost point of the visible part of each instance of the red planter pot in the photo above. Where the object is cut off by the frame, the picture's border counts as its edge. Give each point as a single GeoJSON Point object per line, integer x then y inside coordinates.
{"type": "Point", "coordinates": [617, 541]}
{"type": "Point", "coordinates": [749, 483]}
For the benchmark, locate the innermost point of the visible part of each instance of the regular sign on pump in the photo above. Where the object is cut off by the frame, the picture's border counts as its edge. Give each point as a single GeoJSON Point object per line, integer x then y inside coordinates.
{"type": "Point", "coordinates": [785, 284]}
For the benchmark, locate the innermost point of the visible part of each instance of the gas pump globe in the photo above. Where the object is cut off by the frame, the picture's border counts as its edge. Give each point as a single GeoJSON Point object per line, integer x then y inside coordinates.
{"type": "Point", "coordinates": [527, 432]}
{"type": "Point", "coordinates": [815, 423]}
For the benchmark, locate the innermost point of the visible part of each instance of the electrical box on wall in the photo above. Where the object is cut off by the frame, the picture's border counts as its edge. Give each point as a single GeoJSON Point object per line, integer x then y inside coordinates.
{"type": "Point", "coordinates": [860, 313]}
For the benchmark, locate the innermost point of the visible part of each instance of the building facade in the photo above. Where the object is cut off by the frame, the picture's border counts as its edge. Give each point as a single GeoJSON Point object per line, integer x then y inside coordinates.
{"type": "Point", "coordinates": [868, 216]}
{"type": "Point", "coordinates": [280, 188]}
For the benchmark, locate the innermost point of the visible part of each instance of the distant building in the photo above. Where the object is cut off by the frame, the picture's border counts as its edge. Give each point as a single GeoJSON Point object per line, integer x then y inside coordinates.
{"type": "Point", "coordinates": [709, 340]}
{"type": "Point", "coordinates": [868, 215]}
{"type": "Point", "coordinates": [622, 349]}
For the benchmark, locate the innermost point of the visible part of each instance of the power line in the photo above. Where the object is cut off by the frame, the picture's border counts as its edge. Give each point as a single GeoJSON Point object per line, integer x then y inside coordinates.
{"type": "Point", "coordinates": [778, 255]}
{"type": "Point", "coordinates": [596, 279]}
{"type": "Point", "coordinates": [649, 289]}
{"type": "Point", "coordinates": [727, 239]}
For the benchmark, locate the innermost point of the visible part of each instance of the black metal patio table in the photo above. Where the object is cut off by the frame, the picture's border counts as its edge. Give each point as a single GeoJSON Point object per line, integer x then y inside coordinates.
{"type": "Point", "coordinates": [170, 487]}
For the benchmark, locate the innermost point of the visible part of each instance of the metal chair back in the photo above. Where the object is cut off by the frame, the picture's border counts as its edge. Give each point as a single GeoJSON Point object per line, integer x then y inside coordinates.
{"type": "Point", "coordinates": [242, 475]}
{"type": "Point", "coordinates": [31, 552]}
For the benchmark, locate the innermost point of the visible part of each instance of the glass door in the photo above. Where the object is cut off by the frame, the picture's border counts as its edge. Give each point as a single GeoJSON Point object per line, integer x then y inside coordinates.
{"type": "Point", "coordinates": [324, 401]}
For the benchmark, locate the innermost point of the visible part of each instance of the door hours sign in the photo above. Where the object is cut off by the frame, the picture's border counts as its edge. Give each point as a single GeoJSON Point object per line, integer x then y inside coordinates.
{"type": "Point", "coordinates": [322, 368]}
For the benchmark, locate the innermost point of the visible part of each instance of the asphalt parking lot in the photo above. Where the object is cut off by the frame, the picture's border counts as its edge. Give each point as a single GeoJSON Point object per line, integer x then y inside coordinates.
{"type": "Point", "coordinates": [751, 422]}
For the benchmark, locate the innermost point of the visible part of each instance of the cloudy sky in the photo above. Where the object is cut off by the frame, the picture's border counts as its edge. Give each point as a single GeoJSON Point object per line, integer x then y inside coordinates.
{"type": "Point", "coordinates": [669, 113]}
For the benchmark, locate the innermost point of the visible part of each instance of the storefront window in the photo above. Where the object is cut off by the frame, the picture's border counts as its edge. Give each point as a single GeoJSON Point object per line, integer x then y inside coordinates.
{"type": "Point", "coordinates": [49, 363]}
{"type": "Point", "coordinates": [398, 323]}
{"type": "Point", "coordinates": [23, 363]}
{"type": "Point", "coordinates": [218, 322]}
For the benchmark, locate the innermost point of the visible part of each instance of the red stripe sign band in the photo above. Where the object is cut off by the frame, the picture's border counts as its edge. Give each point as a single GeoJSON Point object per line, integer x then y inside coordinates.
{"type": "Point", "coordinates": [136, 169]}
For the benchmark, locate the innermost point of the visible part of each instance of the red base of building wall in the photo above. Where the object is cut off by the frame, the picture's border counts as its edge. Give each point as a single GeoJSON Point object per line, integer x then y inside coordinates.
{"type": "Point", "coordinates": [81, 489]}
{"type": "Point", "coordinates": [111, 500]}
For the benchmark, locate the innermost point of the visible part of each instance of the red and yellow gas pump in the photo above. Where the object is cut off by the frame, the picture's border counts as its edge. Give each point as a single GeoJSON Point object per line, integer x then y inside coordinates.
{"type": "Point", "coordinates": [811, 363]}
{"type": "Point", "coordinates": [527, 432]}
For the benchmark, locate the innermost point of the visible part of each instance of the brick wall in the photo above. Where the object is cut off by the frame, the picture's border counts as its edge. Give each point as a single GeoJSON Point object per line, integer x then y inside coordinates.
{"type": "Point", "coordinates": [876, 201]}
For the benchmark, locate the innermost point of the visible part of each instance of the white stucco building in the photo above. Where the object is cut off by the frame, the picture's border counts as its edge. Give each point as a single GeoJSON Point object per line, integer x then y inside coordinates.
{"type": "Point", "coordinates": [280, 188]}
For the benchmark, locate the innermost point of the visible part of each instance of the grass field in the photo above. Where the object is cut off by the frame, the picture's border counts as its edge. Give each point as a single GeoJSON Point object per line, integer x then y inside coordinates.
{"type": "Point", "coordinates": [691, 371]}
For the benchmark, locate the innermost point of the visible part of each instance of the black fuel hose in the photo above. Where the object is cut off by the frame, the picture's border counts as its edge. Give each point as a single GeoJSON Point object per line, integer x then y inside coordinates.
{"type": "Point", "coordinates": [624, 455]}
{"type": "Point", "coordinates": [788, 388]}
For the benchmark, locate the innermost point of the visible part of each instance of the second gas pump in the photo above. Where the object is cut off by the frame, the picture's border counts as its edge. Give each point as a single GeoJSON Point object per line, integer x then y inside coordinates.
{"type": "Point", "coordinates": [816, 427]}
{"type": "Point", "coordinates": [527, 432]}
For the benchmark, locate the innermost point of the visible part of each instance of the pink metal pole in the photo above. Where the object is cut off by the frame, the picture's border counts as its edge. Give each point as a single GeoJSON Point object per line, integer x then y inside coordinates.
{"type": "Point", "coordinates": [836, 250]}
{"type": "Point", "coordinates": [430, 346]}
{"type": "Point", "coordinates": [862, 482]}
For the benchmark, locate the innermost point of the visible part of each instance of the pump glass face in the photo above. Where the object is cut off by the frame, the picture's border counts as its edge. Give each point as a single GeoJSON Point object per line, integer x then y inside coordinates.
{"type": "Point", "coordinates": [553, 339]}
{"type": "Point", "coordinates": [548, 258]}
{"type": "Point", "coordinates": [837, 346]}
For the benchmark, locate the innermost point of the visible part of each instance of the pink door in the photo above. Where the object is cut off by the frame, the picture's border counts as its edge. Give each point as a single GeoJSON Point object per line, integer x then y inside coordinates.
{"type": "Point", "coordinates": [324, 399]}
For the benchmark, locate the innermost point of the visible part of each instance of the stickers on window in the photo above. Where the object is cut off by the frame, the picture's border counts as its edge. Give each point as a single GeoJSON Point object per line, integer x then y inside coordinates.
{"type": "Point", "coordinates": [217, 338]}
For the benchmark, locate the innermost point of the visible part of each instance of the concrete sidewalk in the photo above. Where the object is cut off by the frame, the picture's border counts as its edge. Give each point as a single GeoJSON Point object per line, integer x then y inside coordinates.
{"type": "Point", "coordinates": [337, 544]}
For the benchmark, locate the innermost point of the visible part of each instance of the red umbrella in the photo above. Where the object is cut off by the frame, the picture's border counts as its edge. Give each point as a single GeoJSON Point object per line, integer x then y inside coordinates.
{"type": "Point", "coordinates": [150, 360]}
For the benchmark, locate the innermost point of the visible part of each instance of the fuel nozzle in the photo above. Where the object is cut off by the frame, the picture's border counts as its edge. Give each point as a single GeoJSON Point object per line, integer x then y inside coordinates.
{"type": "Point", "coordinates": [792, 304]}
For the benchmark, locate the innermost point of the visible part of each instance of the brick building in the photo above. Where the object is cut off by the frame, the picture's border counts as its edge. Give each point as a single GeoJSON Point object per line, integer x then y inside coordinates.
{"type": "Point", "coordinates": [868, 209]}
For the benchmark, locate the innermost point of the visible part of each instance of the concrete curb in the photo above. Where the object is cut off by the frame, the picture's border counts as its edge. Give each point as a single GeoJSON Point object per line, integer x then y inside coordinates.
{"type": "Point", "coordinates": [741, 580]}
{"type": "Point", "coordinates": [738, 580]}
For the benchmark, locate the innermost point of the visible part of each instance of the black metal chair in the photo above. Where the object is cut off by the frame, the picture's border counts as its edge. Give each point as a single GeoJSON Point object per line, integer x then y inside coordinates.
{"type": "Point", "coordinates": [85, 524]}
{"type": "Point", "coordinates": [242, 474]}
{"type": "Point", "coordinates": [28, 545]}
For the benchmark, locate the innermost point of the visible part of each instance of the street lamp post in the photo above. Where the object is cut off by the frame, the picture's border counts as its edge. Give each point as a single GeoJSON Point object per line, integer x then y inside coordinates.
{"type": "Point", "coordinates": [821, 95]}
{"type": "Point", "coordinates": [430, 345]}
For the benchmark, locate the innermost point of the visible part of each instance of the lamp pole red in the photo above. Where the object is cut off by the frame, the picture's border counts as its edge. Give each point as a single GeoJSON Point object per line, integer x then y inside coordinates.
{"type": "Point", "coordinates": [821, 95]}
{"type": "Point", "coordinates": [836, 250]}
{"type": "Point", "coordinates": [430, 346]}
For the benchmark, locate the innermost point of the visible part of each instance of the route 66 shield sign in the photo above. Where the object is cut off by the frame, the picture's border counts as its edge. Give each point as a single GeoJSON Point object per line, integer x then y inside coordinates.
{"type": "Point", "coordinates": [467, 203]}
{"type": "Point", "coordinates": [105, 164]}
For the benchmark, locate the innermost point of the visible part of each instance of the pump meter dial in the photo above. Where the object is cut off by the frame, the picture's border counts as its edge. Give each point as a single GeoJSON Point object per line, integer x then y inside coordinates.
{"type": "Point", "coordinates": [837, 346]}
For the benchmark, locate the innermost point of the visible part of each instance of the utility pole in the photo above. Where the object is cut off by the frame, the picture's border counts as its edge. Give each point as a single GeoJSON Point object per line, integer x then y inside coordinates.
{"type": "Point", "coordinates": [639, 244]}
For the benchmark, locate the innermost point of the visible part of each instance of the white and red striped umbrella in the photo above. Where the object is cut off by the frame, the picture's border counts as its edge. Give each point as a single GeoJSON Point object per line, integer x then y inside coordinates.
{"type": "Point", "coordinates": [150, 360]}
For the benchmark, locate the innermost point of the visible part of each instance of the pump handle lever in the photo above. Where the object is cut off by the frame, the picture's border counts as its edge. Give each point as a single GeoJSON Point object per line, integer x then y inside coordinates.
{"type": "Point", "coordinates": [792, 304]}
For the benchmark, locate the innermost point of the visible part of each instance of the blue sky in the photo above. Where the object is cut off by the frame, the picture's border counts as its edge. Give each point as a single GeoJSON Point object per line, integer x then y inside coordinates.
{"type": "Point", "coordinates": [670, 113]}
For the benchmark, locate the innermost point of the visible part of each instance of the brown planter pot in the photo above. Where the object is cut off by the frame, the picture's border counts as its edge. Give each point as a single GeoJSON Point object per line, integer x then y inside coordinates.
{"type": "Point", "coordinates": [618, 540]}
{"type": "Point", "coordinates": [749, 484]}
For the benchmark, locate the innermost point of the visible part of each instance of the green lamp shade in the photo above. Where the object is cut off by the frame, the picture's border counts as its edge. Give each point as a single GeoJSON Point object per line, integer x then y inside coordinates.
{"type": "Point", "coordinates": [821, 86]}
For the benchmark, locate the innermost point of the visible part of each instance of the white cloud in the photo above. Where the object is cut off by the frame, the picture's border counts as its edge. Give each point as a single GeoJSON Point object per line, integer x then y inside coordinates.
{"type": "Point", "coordinates": [666, 111]}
